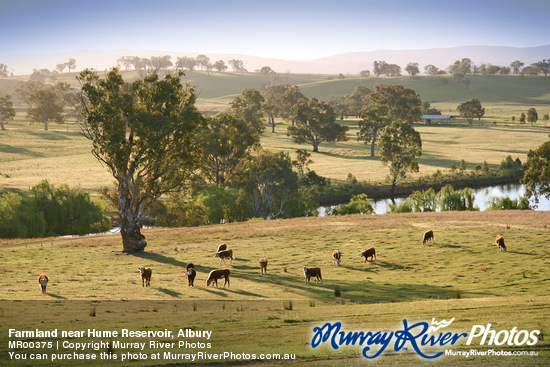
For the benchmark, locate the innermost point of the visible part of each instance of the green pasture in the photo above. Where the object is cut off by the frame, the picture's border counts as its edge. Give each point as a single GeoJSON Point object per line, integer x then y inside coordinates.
{"type": "Point", "coordinates": [461, 275]}
{"type": "Point", "coordinates": [28, 154]}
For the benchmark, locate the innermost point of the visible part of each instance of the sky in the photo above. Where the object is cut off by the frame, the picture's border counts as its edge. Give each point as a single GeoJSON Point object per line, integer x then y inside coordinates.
{"type": "Point", "coordinates": [282, 29]}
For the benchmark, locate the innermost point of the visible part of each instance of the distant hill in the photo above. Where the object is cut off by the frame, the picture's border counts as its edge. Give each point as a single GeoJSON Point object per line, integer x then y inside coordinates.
{"type": "Point", "coordinates": [349, 63]}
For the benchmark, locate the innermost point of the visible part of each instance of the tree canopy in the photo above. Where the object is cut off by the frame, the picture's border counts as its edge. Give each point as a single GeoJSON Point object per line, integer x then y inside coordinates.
{"type": "Point", "coordinates": [374, 119]}
{"type": "Point", "coordinates": [471, 109]}
{"type": "Point", "coordinates": [316, 123]}
{"type": "Point", "coordinates": [144, 134]}
{"type": "Point", "coordinates": [400, 148]}
{"type": "Point", "coordinates": [537, 176]}
{"type": "Point", "coordinates": [7, 112]}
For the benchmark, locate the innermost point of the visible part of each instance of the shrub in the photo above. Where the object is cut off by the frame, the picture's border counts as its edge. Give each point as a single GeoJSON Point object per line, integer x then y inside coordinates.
{"type": "Point", "coordinates": [223, 204]}
{"type": "Point", "coordinates": [505, 203]}
{"type": "Point", "coordinates": [68, 210]}
{"type": "Point", "coordinates": [358, 204]}
{"type": "Point", "coordinates": [449, 199]}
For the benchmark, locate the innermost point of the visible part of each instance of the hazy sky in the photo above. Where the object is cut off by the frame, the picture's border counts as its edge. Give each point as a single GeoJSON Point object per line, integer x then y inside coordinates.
{"type": "Point", "coordinates": [294, 30]}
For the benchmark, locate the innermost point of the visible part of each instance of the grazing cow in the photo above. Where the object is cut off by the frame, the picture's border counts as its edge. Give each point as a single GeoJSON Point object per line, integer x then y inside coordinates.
{"type": "Point", "coordinates": [428, 236]}
{"type": "Point", "coordinates": [218, 274]}
{"type": "Point", "coordinates": [336, 256]}
{"type": "Point", "coordinates": [43, 280]}
{"type": "Point", "coordinates": [500, 244]}
{"type": "Point", "coordinates": [145, 276]}
{"type": "Point", "coordinates": [263, 266]}
{"type": "Point", "coordinates": [190, 273]}
{"type": "Point", "coordinates": [312, 272]}
{"type": "Point", "coordinates": [223, 254]}
{"type": "Point", "coordinates": [222, 247]}
{"type": "Point", "coordinates": [371, 252]}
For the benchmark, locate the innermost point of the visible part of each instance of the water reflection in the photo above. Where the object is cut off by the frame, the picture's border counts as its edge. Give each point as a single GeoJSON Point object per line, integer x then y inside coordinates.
{"type": "Point", "coordinates": [513, 191]}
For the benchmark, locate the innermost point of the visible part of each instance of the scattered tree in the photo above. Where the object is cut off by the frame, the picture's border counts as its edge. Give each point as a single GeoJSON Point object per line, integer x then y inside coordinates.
{"type": "Point", "coordinates": [316, 123]}
{"type": "Point", "coordinates": [431, 70]}
{"type": "Point", "coordinates": [7, 112]}
{"type": "Point", "coordinates": [248, 106]}
{"type": "Point", "coordinates": [186, 62]}
{"type": "Point", "coordinates": [516, 66]}
{"type": "Point", "coordinates": [268, 181]}
{"type": "Point", "coordinates": [400, 148]}
{"type": "Point", "coordinates": [203, 61]}
{"type": "Point", "coordinates": [220, 66]}
{"type": "Point", "coordinates": [3, 70]}
{"type": "Point", "coordinates": [532, 115]}
{"type": "Point", "coordinates": [403, 103]}
{"type": "Point", "coordinates": [143, 133]}
{"type": "Point", "coordinates": [375, 118]}
{"type": "Point", "coordinates": [224, 141]}
{"type": "Point", "coordinates": [47, 107]}
{"type": "Point", "coordinates": [237, 66]}
{"type": "Point", "coordinates": [412, 69]}
{"type": "Point", "coordinates": [71, 64]}
{"type": "Point", "coordinates": [537, 176]}
{"type": "Point", "coordinates": [471, 109]}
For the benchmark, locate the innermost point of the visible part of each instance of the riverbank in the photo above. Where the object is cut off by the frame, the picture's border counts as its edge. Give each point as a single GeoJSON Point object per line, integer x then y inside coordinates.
{"type": "Point", "coordinates": [342, 194]}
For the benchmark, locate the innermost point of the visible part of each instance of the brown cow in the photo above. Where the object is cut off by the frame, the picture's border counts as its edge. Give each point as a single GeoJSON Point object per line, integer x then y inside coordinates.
{"type": "Point", "coordinates": [223, 254]}
{"type": "Point", "coordinates": [500, 243]}
{"type": "Point", "coordinates": [336, 256]}
{"type": "Point", "coordinates": [43, 280]}
{"type": "Point", "coordinates": [222, 247]}
{"type": "Point", "coordinates": [371, 252]}
{"type": "Point", "coordinates": [145, 276]}
{"type": "Point", "coordinates": [218, 274]}
{"type": "Point", "coordinates": [190, 273]}
{"type": "Point", "coordinates": [263, 265]}
{"type": "Point", "coordinates": [428, 236]}
{"type": "Point", "coordinates": [312, 272]}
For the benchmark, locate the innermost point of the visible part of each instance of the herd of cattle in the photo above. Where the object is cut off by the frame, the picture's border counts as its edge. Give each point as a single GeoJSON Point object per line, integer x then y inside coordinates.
{"type": "Point", "coordinates": [223, 253]}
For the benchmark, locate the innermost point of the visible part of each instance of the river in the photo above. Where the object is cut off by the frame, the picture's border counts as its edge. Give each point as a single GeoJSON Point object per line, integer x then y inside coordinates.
{"type": "Point", "coordinates": [513, 191]}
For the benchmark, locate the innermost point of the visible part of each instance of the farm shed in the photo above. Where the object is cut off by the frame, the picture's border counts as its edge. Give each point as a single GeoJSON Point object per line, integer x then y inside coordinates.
{"type": "Point", "coordinates": [429, 118]}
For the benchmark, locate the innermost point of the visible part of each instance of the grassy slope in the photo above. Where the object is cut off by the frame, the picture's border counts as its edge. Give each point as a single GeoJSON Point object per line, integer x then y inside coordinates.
{"type": "Point", "coordinates": [407, 280]}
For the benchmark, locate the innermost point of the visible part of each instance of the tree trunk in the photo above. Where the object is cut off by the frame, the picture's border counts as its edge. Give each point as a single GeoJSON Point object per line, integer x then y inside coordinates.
{"type": "Point", "coordinates": [46, 125]}
{"type": "Point", "coordinates": [2, 124]}
{"type": "Point", "coordinates": [130, 226]}
{"type": "Point", "coordinates": [132, 239]}
{"type": "Point", "coordinates": [315, 147]}
{"type": "Point", "coordinates": [372, 144]}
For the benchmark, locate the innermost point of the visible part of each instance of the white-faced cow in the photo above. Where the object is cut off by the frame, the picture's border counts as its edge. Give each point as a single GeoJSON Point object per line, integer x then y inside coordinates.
{"type": "Point", "coordinates": [218, 274]}
{"type": "Point", "coordinates": [43, 280]}
{"type": "Point", "coordinates": [500, 243]}
{"type": "Point", "coordinates": [313, 272]}
{"type": "Point", "coordinates": [371, 252]}
{"type": "Point", "coordinates": [263, 265]}
{"type": "Point", "coordinates": [336, 256]}
{"type": "Point", "coordinates": [225, 254]}
{"type": "Point", "coordinates": [428, 236]}
{"type": "Point", "coordinates": [190, 273]}
{"type": "Point", "coordinates": [222, 247]}
{"type": "Point", "coordinates": [145, 276]}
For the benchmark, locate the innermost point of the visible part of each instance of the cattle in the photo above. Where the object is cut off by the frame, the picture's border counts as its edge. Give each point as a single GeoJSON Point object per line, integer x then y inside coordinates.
{"type": "Point", "coordinates": [336, 256]}
{"type": "Point", "coordinates": [263, 265]}
{"type": "Point", "coordinates": [312, 272]}
{"type": "Point", "coordinates": [428, 236]}
{"type": "Point", "coordinates": [145, 276]}
{"type": "Point", "coordinates": [500, 243]}
{"type": "Point", "coordinates": [222, 247]}
{"type": "Point", "coordinates": [371, 252]}
{"type": "Point", "coordinates": [190, 273]}
{"type": "Point", "coordinates": [218, 274]}
{"type": "Point", "coordinates": [43, 280]}
{"type": "Point", "coordinates": [225, 254]}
